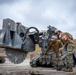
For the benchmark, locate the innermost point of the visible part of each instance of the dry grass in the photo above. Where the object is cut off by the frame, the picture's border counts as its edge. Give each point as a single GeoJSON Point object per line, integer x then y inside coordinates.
{"type": "Point", "coordinates": [32, 54]}
{"type": "Point", "coordinates": [75, 43]}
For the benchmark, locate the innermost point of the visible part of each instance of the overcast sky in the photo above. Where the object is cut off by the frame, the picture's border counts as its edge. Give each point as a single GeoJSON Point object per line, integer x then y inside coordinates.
{"type": "Point", "coordinates": [41, 13]}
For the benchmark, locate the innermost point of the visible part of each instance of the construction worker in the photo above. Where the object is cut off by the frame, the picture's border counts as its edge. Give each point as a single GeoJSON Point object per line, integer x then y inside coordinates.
{"type": "Point", "coordinates": [69, 48]}
{"type": "Point", "coordinates": [55, 45]}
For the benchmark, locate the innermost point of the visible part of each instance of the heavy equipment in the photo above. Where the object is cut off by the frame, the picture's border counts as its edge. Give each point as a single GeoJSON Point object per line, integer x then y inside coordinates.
{"type": "Point", "coordinates": [44, 39]}
{"type": "Point", "coordinates": [46, 60]}
{"type": "Point", "coordinates": [16, 41]}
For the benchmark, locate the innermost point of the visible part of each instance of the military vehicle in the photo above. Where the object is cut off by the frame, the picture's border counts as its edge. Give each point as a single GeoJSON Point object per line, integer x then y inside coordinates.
{"type": "Point", "coordinates": [16, 41]}
{"type": "Point", "coordinates": [46, 60]}
{"type": "Point", "coordinates": [44, 39]}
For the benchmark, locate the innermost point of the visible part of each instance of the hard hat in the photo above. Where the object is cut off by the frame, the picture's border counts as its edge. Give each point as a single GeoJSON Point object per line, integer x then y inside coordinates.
{"type": "Point", "coordinates": [53, 37]}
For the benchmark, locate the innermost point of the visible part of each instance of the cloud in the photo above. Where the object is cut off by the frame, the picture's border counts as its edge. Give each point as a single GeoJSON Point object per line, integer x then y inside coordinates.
{"type": "Point", "coordinates": [41, 13]}
{"type": "Point", "coordinates": [6, 1]}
